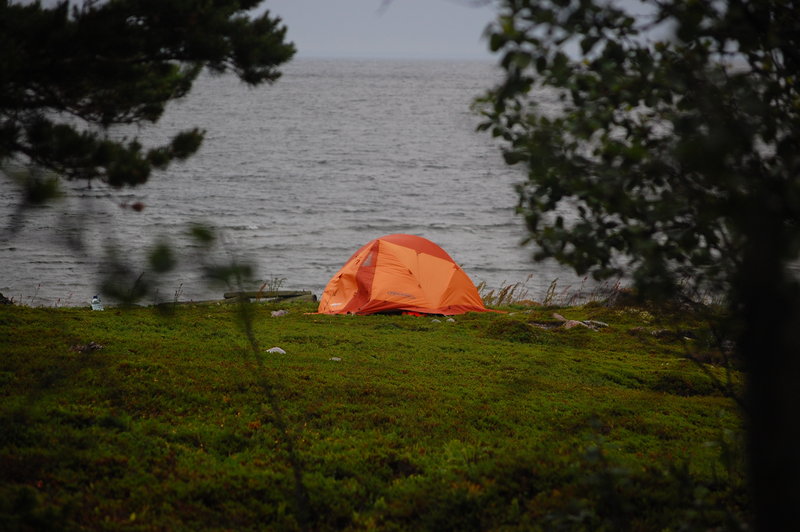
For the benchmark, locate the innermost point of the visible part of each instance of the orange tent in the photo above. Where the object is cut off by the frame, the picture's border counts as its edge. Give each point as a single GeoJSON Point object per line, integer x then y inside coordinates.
{"type": "Point", "coordinates": [400, 273]}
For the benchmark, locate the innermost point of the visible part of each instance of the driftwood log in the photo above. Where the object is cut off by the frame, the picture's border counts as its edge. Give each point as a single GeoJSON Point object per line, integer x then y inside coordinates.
{"type": "Point", "coordinates": [281, 295]}
{"type": "Point", "coordinates": [284, 296]}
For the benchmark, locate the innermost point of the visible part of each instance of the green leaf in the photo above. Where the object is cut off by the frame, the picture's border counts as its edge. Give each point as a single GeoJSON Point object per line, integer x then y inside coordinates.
{"type": "Point", "coordinates": [587, 43]}
{"type": "Point", "coordinates": [202, 234]}
{"type": "Point", "coordinates": [162, 258]}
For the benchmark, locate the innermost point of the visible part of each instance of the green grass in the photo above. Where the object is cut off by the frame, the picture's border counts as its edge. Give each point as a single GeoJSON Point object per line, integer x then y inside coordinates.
{"type": "Point", "coordinates": [491, 422]}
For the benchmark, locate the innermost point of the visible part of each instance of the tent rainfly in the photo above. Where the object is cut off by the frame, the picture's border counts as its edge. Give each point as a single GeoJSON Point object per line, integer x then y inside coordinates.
{"type": "Point", "coordinates": [400, 273]}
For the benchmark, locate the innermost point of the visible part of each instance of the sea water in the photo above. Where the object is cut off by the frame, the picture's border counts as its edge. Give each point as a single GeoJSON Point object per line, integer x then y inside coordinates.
{"type": "Point", "coordinates": [295, 177]}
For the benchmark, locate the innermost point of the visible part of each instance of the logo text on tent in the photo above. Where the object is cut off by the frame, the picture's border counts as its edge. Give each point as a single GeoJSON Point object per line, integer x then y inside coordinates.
{"type": "Point", "coordinates": [401, 294]}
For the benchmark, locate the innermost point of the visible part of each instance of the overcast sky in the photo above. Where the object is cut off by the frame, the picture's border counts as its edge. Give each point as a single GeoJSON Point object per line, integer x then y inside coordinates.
{"type": "Point", "coordinates": [374, 28]}
{"type": "Point", "coordinates": [389, 28]}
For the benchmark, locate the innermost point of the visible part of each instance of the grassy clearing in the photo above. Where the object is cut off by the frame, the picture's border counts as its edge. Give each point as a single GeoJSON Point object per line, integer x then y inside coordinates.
{"type": "Point", "coordinates": [495, 421]}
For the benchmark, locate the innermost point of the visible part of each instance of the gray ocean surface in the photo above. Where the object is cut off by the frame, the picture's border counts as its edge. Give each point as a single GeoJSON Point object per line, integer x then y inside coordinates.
{"type": "Point", "coordinates": [295, 177]}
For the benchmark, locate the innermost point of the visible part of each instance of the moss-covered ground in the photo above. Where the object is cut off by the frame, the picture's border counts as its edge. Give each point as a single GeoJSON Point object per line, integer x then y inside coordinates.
{"type": "Point", "coordinates": [491, 422]}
